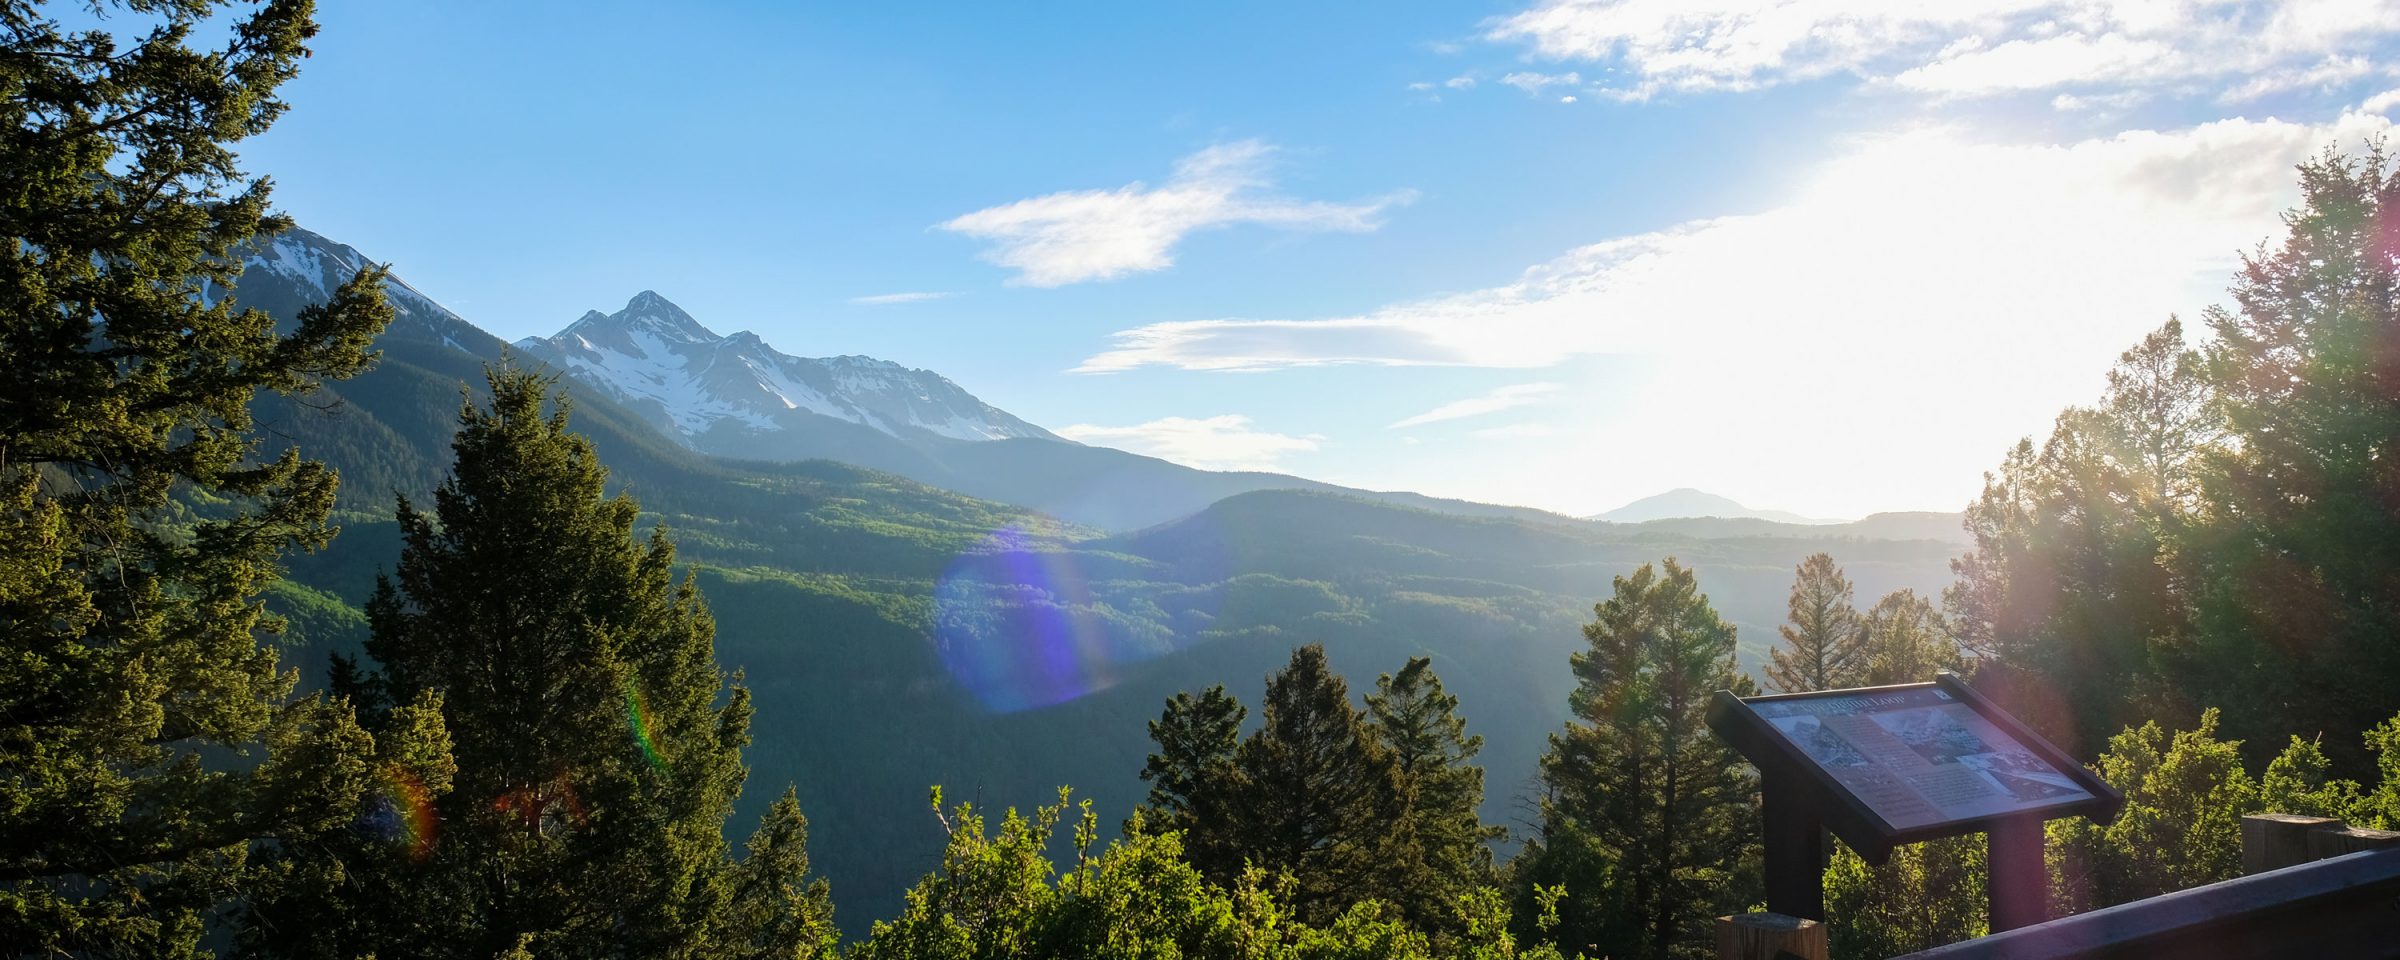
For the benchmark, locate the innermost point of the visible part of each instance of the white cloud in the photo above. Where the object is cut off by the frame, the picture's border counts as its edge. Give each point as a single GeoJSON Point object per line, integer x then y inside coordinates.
{"type": "Point", "coordinates": [2068, 102]}
{"type": "Point", "coordinates": [1081, 235]}
{"type": "Point", "coordinates": [1224, 442]}
{"type": "Point", "coordinates": [1950, 47]}
{"type": "Point", "coordinates": [917, 296]}
{"type": "Point", "coordinates": [1421, 87]}
{"type": "Point", "coordinates": [2381, 102]}
{"type": "Point", "coordinates": [1505, 398]}
{"type": "Point", "coordinates": [2325, 76]}
{"type": "Point", "coordinates": [1944, 293]}
{"type": "Point", "coordinates": [1533, 82]}
{"type": "Point", "coordinates": [1460, 83]}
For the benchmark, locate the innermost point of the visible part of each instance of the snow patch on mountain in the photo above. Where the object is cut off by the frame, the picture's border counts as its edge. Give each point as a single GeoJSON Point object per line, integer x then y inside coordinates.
{"type": "Point", "coordinates": [298, 268]}
{"type": "Point", "coordinates": [656, 358]}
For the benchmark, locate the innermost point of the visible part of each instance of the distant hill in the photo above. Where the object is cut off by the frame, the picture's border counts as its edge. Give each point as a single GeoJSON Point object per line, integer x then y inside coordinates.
{"type": "Point", "coordinates": [1686, 502]}
{"type": "Point", "coordinates": [1910, 525]}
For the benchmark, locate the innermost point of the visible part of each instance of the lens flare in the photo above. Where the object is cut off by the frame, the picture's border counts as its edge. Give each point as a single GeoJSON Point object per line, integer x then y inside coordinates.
{"type": "Point", "coordinates": [401, 811]}
{"type": "Point", "coordinates": [544, 806]}
{"type": "Point", "coordinates": [637, 720]}
{"type": "Point", "coordinates": [1016, 625]}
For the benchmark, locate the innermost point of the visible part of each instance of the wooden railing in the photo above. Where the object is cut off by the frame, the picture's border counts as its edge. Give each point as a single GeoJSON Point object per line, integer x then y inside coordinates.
{"type": "Point", "coordinates": [2315, 889]}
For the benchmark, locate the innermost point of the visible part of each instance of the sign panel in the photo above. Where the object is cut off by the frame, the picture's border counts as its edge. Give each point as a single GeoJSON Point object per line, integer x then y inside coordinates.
{"type": "Point", "coordinates": [1918, 756]}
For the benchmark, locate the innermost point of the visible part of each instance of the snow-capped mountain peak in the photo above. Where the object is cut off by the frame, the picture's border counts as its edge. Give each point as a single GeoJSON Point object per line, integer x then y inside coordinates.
{"type": "Point", "coordinates": [296, 268]}
{"type": "Point", "coordinates": [712, 390]}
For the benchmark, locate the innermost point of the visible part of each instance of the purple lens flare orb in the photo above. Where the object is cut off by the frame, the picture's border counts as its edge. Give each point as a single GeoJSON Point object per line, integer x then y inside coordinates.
{"type": "Point", "coordinates": [1017, 626]}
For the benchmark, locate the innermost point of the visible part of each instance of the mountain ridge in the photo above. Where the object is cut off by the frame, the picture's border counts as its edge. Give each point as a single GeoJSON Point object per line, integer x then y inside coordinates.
{"type": "Point", "coordinates": [654, 357]}
{"type": "Point", "coordinates": [1689, 503]}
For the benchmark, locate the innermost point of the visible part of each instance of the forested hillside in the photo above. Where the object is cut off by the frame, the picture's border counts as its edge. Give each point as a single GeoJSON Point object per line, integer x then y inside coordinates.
{"type": "Point", "coordinates": [884, 625]}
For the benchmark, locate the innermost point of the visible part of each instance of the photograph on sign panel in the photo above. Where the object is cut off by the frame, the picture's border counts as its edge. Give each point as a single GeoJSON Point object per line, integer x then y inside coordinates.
{"type": "Point", "coordinates": [2024, 775]}
{"type": "Point", "coordinates": [1933, 733]}
{"type": "Point", "coordinates": [1826, 747]}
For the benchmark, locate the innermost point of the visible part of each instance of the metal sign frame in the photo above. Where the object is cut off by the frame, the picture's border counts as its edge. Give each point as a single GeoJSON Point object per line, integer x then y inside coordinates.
{"type": "Point", "coordinates": [1801, 800]}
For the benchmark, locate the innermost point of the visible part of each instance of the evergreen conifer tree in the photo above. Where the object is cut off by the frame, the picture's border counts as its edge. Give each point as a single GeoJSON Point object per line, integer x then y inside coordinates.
{"type": "Point", "coordinates": [1906, 640]}
{"type": "Point", "coordinates": [1317, 795]}
{"type": "Point", "coordinates": [1640, 795]}
{"type": "Point", "coordinates": [776, 911]}
{"type": "Point", "coordinates": [131, 666]}
{"type": "Point", "coordinates": [596, 741]}
{"type": "Point", "coordinates": [1823, 647]}
{"type": "Point", "coordinates": [1193, 779]}
{"type": "Point", "coordinates": [1440, 849]}
{"type": "Point", "coordinates": [2296, 605]}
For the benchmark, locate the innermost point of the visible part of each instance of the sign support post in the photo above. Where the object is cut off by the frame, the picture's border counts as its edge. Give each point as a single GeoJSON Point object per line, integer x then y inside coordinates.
{"type": "Point", "coordinates": [1794, 850]}
{"type": "Point", "coordinates": [2019, 878]}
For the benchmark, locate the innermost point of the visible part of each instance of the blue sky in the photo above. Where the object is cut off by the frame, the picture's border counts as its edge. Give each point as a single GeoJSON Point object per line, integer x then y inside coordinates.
{"type": "Point", "coordinates": [1830, 256]}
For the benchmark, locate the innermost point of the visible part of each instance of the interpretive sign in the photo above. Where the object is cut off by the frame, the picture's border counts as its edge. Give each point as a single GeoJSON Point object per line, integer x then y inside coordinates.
{"type": "Point", "coordinates": [1917, 756]}
{"type": "Point", "coordinates": [1884, 766]}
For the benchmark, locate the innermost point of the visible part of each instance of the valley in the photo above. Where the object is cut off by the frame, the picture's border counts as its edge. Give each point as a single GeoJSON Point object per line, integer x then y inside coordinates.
{"type": "Point", "coordinates": [1013, 632]}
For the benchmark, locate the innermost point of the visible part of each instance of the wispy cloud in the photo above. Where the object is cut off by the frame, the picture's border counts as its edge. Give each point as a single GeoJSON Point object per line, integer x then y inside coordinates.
{"type": "Point", "coordinates": [1504, 398]}
{"type": "Point", "coordinates": [1083, 235]}
{"type": "Point", "coordinates": [1535, 82]}
{"type": "Point", "coordinates": [1933, 286]}
{"type": "Point", "coordinates": [1887, 239]}
{"type": "Point", "coordinates": [919, 296]}
{"type": "Point", "coordinates": [1952, 47]}
{"type": "Point", "coordinates": [1224, 442]}
{"type": "Point", "coordinates": [2327, 75]}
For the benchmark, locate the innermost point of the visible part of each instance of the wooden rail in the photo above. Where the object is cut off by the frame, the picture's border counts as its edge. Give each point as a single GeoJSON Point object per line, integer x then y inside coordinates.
{"type": "Point", "coordinates": [2348, 906]}
{"type": "Point", "coordinates": [2316, 888]}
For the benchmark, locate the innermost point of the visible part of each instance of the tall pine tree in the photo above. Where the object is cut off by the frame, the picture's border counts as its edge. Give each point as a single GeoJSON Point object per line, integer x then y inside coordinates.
{"type": "Point", "coordinates": [1316, 793]}
{"type": "Point", "coordinates": [1439, 850]}
{"type": "Point", "coordinates": [1905, 640]}
{"type": "Point", "coordinates": [2296, 602]}
{"type": "Point", "coordinates": [1193, 779]}
{"type": "Point", "coordinates": [131, 666]}
{"type": "Point", "coordinates": [1823, 647]}
{"type": "Point", "coordinates": [2072, 582]}
{"type": "Point", "coordinates": [1637, 782]}
{"type": "Point", "coordinates": [596, 741]}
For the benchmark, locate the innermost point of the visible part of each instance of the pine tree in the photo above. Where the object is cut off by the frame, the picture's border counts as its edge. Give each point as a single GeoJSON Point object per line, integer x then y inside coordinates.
{"type": "Point", "coordinates": [1316, 794]}
{"type": "Point", "coordinates": [1193, 779]}
{"type": "Point", "coordinates": [775, 911]}
{"type": "Point", "coordinates": [2073, 579]}
{"type": "Point", "coordinates": [1638, 783]}
{"type": "Point", "coordinates": [131, 664]}
{"type": "Point", "coordinates": [2295, 604]}
{"type": "Point", "coordinates": [1439, 851]}
{"type": "Point", "coordinates": [1905, 640]}
{"type": "Point", "coordinates": [1823, 647]}
{"type": "Point", "coordinates": [596, 741]}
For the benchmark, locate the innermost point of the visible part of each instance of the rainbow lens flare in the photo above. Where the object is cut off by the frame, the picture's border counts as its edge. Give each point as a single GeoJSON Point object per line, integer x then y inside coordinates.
{"type": "Point", "coordinates": [1017, 626]}
{"type": "Point", "coordinates": [400, 811]}
{"type": "Point", "coordinates": [637, 720]}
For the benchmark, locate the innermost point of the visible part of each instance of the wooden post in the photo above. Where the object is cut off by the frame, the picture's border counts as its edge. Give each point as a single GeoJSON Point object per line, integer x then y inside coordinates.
{"type": "Point", "coordinates": [1769, 936]}
{"type": "Point", "coordinates": [2020, 879]}
{"type": "Point", "coordinates": [1794, 849]}
{"type": "Point", "coordinates": [2273, 841]}
{"type": "Point", "coordinates": [2334, 843]}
